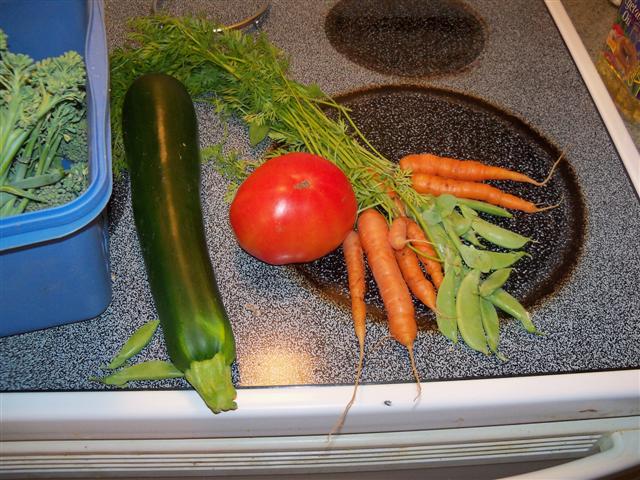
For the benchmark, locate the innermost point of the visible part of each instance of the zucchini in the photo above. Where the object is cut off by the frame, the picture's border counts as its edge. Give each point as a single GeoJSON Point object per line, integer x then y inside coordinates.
{"type": "Point", "coordinates": [160, 134]}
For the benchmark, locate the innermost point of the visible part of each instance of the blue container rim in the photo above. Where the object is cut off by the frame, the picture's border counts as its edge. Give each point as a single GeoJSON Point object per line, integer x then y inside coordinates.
{"type": "Point", "coordinates": [58, 222]}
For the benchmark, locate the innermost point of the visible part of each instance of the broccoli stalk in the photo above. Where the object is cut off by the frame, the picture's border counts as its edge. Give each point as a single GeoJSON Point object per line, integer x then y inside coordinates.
{"type": "Point", "coordinates": [41, 109]}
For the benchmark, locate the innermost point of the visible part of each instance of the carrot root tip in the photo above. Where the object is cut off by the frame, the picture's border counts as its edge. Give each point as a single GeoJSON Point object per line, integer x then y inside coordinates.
{"type": "Point", "coordinates": [340, 423]}
{"type": "Point", "coordinates": [551, 172]}
{"type": "Point", "coordinates": [549, 207]}
{"type": "Point", "coordinates": [415, 373]}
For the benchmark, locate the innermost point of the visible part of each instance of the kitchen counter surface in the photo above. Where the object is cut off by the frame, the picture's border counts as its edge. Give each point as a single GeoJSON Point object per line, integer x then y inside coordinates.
{"type": "Point", "coordinates": [592, 20]}
{"type": "Point", "coordinates": [286, 333]}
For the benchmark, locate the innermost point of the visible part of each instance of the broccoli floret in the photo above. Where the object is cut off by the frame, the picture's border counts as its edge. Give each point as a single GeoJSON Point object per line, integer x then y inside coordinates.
{"type": "Point", "coordinates": [41, 114]}
{"type": "Point", "coordinates": [74, 182]}
{"type": "Point", "coordinates": [77, 148]}
{"type": "Point", "coordinates": [72, 162]}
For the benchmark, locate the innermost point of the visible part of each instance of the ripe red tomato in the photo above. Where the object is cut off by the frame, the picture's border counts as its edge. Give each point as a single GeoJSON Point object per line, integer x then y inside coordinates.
{"type": "Point", "coordinates": [294, 208]}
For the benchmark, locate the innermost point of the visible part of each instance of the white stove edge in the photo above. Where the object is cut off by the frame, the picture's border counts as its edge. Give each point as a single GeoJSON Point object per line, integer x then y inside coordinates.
{"type": "Point", "coordinates": [313, 410]}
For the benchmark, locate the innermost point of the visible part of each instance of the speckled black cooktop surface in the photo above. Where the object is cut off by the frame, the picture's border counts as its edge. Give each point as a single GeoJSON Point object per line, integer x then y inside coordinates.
{"type": "Point", "coordinates": [289, 328]}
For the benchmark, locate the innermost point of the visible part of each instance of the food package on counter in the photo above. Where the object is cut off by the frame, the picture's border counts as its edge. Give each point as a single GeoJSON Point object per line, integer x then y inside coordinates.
{"type": "Point", "coordinates": [619, 64]}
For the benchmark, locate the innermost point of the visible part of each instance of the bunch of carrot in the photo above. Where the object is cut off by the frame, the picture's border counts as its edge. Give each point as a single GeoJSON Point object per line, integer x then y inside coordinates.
{"type": "Point", "coordinates": [444, 238]}
{"type": "Point", "coordinates": [437, 175]}
{"type": "Point", "coordinates": [397, 273]}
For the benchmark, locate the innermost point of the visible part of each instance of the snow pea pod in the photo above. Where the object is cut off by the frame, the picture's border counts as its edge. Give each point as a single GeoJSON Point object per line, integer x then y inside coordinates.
{"type": "Point", "coordinates": [469, 314]}
{"type": "Point", "coordinates": [491, 324]}
{"type": "Point", "coordinates": [510, 305]}
{"type": "Point", "coordinates": [431, 214]}
{"type": "Point", "coordinates": [474, 258]}
{"type": "Point", "coordinates": [478, 259]}
{"type": "Point", "coordinates": [504, 259]}
{"type": "Point", "coordinates": [467, 212]}
{"type": "Point", "coordinates": [483, 260]}
{"type": "Point", "coordinates": [446, 306]}
{"type": "Point", "coordinates": [485, 207]}
{"type": "Point", "coordinates": [494, 281]}
{"type": "Point", "coordinates": [461, 225]}
{"type": "Point", "coordinates": [497, 235]}
{"type": "Point", "coordinates": [445, 204]}
{"type": "Point", "coordinates": [136, 342]}
{"type": "Point", "coordinates": [471, 237]}
{"type": "Point", "coordinates": [150, 370]}
{"type": "Point", "coordinates": [440, 239]}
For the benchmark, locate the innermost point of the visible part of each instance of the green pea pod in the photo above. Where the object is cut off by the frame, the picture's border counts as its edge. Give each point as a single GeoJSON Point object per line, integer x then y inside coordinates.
{"type": "Point", "coordinates": [451, 234]}
{"type": "Point", "coordinates": [446, 203]}
{"type": "Point", "coordinates": [471, 237]}
{"type": "Point", "coordinates": [510, 305]}
{"type": "Point", "coordinates": [499, 236]}
{"type": "Point", "coordinates": [494, 281]}
{"type": "Point", "coordinates": [485, 207]}
{"type": "Point", "coordinates": [150, 370]}
{"type": "Point", "coordinates": [467, 212]}
{"type": "Point", "coordinates": [469, 314]}
{"type": "Point", "coordinates": [474, 258]}
{"type": "Point", "coordinates": [136, 342]}
{"type": "Point", "coordinates": [446, 306]}
{"type": "Point", "coordinates": [504, 259]}
{"type": "Point", "coordinates": [477, 259]}
{"type": "Point", "coordinates": [491, 324]}
{"type": "Point", "coordinates": [461, 225]}
{"type": "Point", "coordinates": [431, 214]}
{"type": "Point", "coordinates": [453, 263]}
{"type": "Point", "coordinates": [440, 239]}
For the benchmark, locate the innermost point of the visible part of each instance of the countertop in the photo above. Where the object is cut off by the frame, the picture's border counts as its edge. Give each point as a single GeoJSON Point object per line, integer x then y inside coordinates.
{"type": "Point", "coordinates": [288, 334]}
{"type": "Point", "coordinates": [592, 20]}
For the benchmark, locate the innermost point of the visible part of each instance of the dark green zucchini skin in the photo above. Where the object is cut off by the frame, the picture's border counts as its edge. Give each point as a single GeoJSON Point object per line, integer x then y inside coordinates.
{"type": "Point", "coordinates": [160, 135]}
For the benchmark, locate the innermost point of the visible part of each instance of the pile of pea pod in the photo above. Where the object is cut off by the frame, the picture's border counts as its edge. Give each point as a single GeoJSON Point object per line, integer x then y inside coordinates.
{"type": "Point", "coordinates": [147, 370]}
{"type": "Point", "coordinates": [471, 290]}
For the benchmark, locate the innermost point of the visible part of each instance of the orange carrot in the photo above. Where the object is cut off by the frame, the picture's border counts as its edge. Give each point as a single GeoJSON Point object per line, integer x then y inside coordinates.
{"type": "Point", "coordinates": [471, 170]}
{"type": "Point", "coordinates": [398, 233]}
{"type": "Point", "coordinates": [416, 281]}
{"type": "Point", "coordinates": [354, 260]}
{"type": "Point", "coordinates": [422, 245]}
{"type": "Point", "coordinates": [394, 292]}
{"type": "Point", "coordinates": [425, 183]}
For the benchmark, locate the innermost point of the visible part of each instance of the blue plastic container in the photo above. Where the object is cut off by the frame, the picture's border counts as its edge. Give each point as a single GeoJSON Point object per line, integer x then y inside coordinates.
{"type": "Point", "coordinates": [54, 263]}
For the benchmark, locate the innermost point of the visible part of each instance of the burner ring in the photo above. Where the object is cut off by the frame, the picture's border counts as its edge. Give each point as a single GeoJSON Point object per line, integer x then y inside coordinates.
{"type": "Point", "coordinates": [409, 38]}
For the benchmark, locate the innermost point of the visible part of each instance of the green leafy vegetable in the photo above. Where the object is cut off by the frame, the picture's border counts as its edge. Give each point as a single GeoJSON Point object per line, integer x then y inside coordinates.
{"type": "Point", "coordinates": [246, 76]}
{"type": "Point", "coordinates": [257, 133]}
{"type": "Point", "coordinates": [41, 114]}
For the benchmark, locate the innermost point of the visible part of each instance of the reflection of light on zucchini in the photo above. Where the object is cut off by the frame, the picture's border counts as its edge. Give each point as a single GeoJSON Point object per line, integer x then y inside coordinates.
{"type": "Point", "coordinates": [276, 365]}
